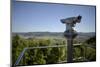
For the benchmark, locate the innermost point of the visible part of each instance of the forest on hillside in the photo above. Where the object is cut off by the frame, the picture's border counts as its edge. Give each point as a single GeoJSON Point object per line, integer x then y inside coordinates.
{"type": "Point", "coordinates": [83, 52]}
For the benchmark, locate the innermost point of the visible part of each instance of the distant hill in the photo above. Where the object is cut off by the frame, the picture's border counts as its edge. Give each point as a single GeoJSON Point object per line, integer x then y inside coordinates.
{"type": "Point", "coordinates": [84, 36]}
{"type": "Point", "coordinates": [38, 34]}
{"type": "Point", "coordinates": [91, 41]}
{"type": "Point", "coordinates": [81, 35]}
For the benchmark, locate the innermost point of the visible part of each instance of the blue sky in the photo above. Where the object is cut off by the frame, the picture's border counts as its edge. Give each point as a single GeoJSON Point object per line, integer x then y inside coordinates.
{"type": "Point", "coordinates": [33, 17]}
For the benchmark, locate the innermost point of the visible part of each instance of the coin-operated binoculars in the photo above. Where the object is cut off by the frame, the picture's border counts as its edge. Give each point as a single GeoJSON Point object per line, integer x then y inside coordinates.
{"type": "Point", "coordinates": [70, 34]}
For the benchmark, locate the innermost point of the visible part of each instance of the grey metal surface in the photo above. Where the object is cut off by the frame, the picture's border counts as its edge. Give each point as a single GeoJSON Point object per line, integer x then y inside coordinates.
{"type": "Point", "coordinates": [20, 57]}
{"type": "Point", "coordinates": [70, 34]}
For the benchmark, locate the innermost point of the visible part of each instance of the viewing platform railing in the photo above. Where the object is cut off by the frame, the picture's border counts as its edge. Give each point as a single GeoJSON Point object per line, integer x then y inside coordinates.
{"type": "Point", "coordinates": [27, 48]}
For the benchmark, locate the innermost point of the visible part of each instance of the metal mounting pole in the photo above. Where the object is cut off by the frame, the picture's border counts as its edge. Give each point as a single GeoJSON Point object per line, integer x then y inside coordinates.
{"type": "Point", "coordinates": [69, 50]}
{"type": "Point", "coordinates": [70, 34]}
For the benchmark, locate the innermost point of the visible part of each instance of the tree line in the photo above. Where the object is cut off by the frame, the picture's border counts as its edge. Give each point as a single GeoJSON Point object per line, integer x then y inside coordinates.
{"type": "Point", "coordinates": [46, 55]}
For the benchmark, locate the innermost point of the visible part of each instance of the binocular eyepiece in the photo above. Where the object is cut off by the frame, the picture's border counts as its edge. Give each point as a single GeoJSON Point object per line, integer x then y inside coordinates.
{"type": "Point", "coordinates": [72, 20]}
{"type": "Point", "coordinates": [79, 17]}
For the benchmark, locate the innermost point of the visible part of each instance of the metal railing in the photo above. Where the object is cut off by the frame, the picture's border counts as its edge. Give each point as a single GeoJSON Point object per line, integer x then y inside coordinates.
{"type": "Point", "coordinates": [27, 48]}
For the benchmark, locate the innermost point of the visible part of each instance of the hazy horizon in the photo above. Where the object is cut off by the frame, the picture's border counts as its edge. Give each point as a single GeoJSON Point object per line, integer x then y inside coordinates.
{"type": "Point", "coordinates": [49, 31]}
